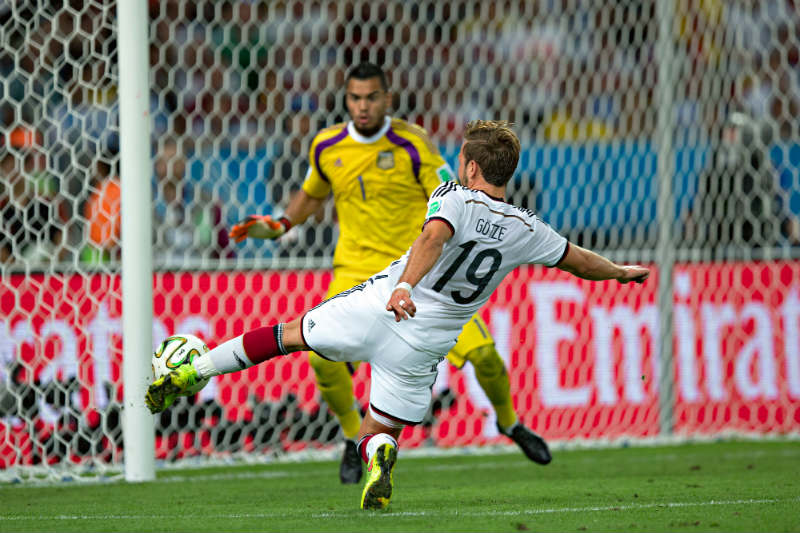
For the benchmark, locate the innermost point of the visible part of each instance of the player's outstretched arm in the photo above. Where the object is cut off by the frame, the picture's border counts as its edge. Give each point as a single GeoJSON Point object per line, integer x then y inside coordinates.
{"type": "Point", "coordinates": [424, 253]}
{"type": "Point", "coordinates": [300, 208]}
{"type": "Point", "coordinates": [589, 265]}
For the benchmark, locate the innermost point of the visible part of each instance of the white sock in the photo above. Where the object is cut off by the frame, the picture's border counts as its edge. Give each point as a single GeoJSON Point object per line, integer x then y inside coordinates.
{"type": "Point", "coordinates": [378, 440]}
{"type": "Point", "coordinates": [226, 358]}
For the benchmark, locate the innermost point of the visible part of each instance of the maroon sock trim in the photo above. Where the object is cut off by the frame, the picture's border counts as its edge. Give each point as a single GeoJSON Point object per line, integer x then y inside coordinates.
{"type": "Point", "coordinates": [261, 344]}
{"type": "Point", "coordinates": [362, 447]}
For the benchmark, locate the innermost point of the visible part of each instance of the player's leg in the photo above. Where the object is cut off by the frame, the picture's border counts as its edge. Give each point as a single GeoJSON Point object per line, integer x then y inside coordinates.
{"type": "Point", "coordinates": [253, 347]}
{"type": "Point", "coordinates": [377, 446]}
{"type": "Point", "coordinates": [337, 326]}
{"type": "Point", "coordinates": [352, 327]}
{"type": "Point", "coordinates": [335, 385]}
{"type": "Point", "coordinates": [476, 345]}
{"type": "Point", "coordinates": [400, 395]}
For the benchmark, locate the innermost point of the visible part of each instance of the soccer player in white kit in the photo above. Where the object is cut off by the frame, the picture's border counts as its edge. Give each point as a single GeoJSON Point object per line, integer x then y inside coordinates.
{"type": "Point", "coordinates": [404, 319]}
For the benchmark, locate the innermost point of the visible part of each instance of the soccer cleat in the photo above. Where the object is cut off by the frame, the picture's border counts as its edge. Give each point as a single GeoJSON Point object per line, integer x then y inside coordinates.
{"type": "Point", "coordinates": [350, 470]}
{"type": "Point", "coordinates": [532, 445]}
{"type": "Point", "coordinates": [378, 489]}
{"type": "Point", "coordinates": [166, 389]}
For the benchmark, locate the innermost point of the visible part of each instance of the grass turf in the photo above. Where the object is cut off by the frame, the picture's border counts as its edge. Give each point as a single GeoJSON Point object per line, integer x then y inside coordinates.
{"type": "Point", "coordinates": [726, 486]}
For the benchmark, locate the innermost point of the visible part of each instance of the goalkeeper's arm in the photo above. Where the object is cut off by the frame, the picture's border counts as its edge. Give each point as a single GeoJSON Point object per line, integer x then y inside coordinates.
{"type": "Point", "coordinates": [300, 208]}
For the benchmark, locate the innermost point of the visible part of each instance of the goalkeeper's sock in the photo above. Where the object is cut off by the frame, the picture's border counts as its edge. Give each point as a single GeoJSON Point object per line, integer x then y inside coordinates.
{"type": "Point", "coordinates": [244, 351]}
{"type": "Point", "coordinates": [506, 417]}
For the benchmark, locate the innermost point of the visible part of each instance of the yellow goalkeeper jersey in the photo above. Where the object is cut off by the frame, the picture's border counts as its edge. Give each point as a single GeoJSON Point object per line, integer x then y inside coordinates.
{"type": "Point", "coordinates": [380, 187]}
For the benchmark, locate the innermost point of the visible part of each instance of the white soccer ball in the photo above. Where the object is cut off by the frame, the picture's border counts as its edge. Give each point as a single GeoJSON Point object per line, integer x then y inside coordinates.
{"type": "Point", "coordinates": [175, 351]}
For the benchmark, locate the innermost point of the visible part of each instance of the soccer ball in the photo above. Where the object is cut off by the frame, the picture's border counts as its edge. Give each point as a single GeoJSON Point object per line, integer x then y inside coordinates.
{"type": "Point", "coordinates": [175, 351]}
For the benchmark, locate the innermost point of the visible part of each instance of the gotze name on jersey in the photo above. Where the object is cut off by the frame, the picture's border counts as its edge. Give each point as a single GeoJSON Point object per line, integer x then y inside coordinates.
{"type": "Point", "coordinates": [490, 239]}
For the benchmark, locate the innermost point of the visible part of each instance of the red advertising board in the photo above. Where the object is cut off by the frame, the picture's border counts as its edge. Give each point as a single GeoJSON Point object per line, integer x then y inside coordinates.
{"type": "Point", "coordinates": [582, 356]}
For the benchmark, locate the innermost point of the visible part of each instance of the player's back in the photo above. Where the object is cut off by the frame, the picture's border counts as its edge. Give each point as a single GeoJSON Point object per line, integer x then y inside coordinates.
{"type": "Point", "coordinates": [490, 239]}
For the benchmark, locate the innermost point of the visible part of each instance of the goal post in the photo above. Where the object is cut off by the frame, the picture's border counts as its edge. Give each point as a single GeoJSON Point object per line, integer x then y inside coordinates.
{"type": "Point", "coordinates": [136, 234]}
{"type": "Point", "coordinates": [665, 249]}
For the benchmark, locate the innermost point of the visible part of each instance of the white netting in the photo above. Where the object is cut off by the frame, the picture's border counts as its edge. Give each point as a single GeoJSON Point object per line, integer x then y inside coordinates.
{"type": "Point", "coordinates": [238, 91]}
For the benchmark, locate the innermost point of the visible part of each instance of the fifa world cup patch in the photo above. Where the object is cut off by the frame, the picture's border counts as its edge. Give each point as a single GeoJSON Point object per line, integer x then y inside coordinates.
{"type": "Point", "coordinates": [385, 160]}
{"type": "Point", "coordinates": [434, 207]}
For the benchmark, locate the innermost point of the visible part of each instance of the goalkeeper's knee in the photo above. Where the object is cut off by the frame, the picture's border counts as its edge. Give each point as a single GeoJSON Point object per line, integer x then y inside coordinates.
{"type": "Point", "coordinates": [334, 383]}
{"type": "Point", "coordinates": [487, 362]}
{"type": "Point", "coordinates": [329, 373]}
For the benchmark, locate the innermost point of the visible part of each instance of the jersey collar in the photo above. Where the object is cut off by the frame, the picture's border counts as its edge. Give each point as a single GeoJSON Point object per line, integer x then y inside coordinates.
{"type": "Point", "coordinates": [351, 130]}
{"type": "Point", "coordinates": [490, 196]}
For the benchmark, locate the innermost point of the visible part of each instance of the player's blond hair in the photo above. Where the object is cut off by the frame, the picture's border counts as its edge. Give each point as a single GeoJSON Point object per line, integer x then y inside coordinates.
{"type": "Point", "coordinates": [494, 146]}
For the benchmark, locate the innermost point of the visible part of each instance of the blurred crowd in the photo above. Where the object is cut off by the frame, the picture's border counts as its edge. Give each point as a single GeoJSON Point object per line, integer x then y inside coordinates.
{"type": "Point", "coordinates": [239, 89]}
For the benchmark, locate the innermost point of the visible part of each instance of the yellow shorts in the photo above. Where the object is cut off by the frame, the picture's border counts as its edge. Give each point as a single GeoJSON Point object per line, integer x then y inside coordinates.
{"type": "Point", "coordinates": [474, 335]}
{"type": "Point", "coordinates": [342, 281]}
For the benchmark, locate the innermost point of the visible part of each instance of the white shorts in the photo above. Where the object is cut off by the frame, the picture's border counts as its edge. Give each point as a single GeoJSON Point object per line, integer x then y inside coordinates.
{"type": "Point", "coordinates": [354, 326]}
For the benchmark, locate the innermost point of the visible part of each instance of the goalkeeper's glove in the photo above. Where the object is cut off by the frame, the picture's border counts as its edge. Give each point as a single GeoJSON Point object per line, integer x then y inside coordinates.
{"type": "Point", "coordinates": [260, 227]}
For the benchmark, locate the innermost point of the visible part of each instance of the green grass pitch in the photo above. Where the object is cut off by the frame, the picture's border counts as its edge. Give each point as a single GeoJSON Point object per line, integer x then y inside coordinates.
{"type": "Point", "coordinates": [725, 486]}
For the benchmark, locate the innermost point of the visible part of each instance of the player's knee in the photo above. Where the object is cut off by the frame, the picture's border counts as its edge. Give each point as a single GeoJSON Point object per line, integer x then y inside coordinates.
{"type": "Point", "coordinates": [487, 361]}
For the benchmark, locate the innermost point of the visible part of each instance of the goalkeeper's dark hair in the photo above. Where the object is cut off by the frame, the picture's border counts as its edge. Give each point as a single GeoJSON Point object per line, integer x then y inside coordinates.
{"type": "Point", "coordinates": [367, 71]}
{"type": "Point", "coordinates": [494, 146]}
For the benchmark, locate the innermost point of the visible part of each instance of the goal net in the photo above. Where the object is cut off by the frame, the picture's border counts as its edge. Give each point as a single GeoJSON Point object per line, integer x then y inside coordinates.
{"type": "Point", "coordinates": [656, 131]}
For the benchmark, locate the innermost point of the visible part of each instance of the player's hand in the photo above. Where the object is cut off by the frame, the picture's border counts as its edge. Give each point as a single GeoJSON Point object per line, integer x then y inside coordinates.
{"type": "Point", "coordinates": [258, 227]}
{"type": "Point", "coordinates": [401, 305]}
{"type": "Point", "coordinates": [634, 273]}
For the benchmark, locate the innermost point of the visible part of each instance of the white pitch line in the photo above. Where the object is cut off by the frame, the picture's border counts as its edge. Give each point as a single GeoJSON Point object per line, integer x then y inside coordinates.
{"type": "Point", "coordinates": [268, 474]}
{"type": "Point", "coordinates": [409, 465]}
{"type": "Point", "coordinates": [454, 514]}
{"type": "Point", "coordinates": [574, 509]}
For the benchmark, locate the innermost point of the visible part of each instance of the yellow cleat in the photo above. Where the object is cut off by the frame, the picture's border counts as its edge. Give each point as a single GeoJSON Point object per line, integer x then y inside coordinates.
{"type": "Point", "coordinates": [378, 489]}
{"type": "Point", "coordinates": [163, 391]}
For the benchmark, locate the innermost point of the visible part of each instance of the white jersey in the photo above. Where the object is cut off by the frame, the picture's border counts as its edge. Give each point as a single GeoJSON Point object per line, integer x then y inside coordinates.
{"type": "Point", "coordinates": [490, 239]}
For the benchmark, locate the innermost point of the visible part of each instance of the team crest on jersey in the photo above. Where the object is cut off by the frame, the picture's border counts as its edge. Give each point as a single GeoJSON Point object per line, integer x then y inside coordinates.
{"type": "Point", "coordinates": [385, 160]}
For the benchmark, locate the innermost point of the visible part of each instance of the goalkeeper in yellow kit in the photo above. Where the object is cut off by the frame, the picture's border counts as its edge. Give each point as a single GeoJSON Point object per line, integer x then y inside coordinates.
{"type": "Point", "coordinates": [381, 171]}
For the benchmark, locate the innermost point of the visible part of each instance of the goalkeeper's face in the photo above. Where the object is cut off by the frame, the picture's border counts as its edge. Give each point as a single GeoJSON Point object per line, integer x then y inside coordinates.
{"type": "Point", "coordinates": [367, 104]}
